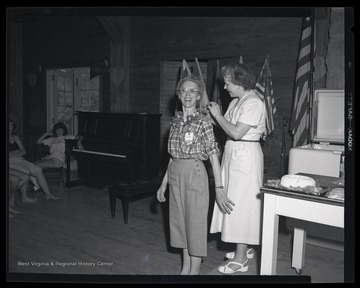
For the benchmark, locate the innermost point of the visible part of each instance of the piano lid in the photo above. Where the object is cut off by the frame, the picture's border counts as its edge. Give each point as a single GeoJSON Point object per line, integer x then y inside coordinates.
{"type": "Point", "coordinates": [124, 128]}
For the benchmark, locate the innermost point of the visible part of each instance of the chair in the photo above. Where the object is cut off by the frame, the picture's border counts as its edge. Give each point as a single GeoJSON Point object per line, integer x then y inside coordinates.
{"type": "Point", "coordinates": [53, 174]}
{"type": "Point", "coordinates": [69, 145]}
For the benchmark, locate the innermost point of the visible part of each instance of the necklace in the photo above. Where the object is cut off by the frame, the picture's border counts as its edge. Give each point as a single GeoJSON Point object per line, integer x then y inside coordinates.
{"type": "Point", "coordinates": [185, 126]}
{"type": "Point", "coordinates": [178, 119]}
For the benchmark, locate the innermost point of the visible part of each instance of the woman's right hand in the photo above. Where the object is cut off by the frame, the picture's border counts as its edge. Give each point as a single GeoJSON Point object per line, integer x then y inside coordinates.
{"type": "Point", "coordinates": [160, 194]}
{"type": "Point", "coordinates": [214, 109]}
{"type": "Point", "coordinates": [223, 202]}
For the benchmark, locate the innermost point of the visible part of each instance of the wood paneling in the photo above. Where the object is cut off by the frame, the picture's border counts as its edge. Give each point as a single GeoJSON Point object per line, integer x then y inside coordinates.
{"type": "Point", "coordinates": [74, 40]}
{"type": "Point", "coordinates": [65, 40]}
{"type": "Point", "coordinates": [207, 38]}
{"type": "Point", "coordinates": [56, 42]}
{"type": "Point", "coordinates": [15, 76]}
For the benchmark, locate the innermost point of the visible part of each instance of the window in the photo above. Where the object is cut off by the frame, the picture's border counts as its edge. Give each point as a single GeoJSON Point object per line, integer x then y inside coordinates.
{"type": "Point", "coordinates": [70, 90]}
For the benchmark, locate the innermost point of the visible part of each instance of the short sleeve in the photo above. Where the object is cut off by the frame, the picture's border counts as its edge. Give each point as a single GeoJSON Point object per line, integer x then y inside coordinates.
{"type": "Point", "coordinates": [251, 112]}
{"type": "Point", "coordinates": [69, 136]}
{"type": "Point", "coordinates": [211, 146]}
{"type": "Point", "coordinates": [47, 141]}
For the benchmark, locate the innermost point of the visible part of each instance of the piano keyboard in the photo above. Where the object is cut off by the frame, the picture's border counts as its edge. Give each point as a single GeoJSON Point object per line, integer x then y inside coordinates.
{"type": "Point", "coordinates": [99, 153]}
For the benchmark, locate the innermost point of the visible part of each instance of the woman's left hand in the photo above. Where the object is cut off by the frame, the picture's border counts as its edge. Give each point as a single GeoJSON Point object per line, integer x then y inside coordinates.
{"type": "Point", "coordinates": [160, 193]}
{"type": "Point", "coordinates": [80, 146]}
{"type": "Point", "coordinates": [223, 202]}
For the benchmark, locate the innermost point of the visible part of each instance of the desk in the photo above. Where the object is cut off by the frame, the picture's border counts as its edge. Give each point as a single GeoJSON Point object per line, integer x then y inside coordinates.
{"type": "Point", "coordinates": [300, 206]}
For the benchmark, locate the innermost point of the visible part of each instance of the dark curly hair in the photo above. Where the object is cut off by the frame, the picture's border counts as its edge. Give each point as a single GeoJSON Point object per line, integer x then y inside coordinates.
{"type": "Point", "coordinates": [240, 74]}
{"type": "Point", "coordinates": [59, 125]}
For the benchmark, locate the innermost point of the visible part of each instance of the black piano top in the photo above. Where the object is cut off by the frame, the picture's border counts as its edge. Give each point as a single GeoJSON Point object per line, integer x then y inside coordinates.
{"type": "Point", "coordinates": [116, 144]}
{"type": "Point", "coordinates": [128, 128]}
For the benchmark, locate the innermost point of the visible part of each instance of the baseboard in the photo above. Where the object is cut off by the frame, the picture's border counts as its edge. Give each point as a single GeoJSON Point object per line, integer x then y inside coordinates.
{"type": "Point", "coordinates": [335, 245]}
{"type": "Point", "coordinates": [321, 242]}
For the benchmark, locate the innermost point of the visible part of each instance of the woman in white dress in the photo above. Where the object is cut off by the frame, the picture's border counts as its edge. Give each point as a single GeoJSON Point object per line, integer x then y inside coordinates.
{"type": "Point", "coordinates": [241, 167]}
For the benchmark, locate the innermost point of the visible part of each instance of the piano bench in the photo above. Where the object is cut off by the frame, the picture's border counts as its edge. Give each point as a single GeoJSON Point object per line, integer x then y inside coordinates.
{"type": "Point", "coordinates": [126, 191]}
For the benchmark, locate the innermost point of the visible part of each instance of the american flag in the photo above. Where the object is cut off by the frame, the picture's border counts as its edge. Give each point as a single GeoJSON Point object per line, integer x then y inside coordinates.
{"type": "Point", "coordinates": [300, 112]}
{"type": "Point", "coordinates": [263, 88]}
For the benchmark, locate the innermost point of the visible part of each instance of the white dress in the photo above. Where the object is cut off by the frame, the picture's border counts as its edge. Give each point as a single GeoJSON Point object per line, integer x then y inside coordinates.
{"type": "Point", "coordinates": [57, 146]}
{"type": "Point", "coordinates": [242, 175]}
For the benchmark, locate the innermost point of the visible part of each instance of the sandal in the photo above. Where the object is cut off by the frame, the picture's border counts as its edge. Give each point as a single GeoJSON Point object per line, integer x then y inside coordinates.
{"type": "Point", "coordinates": [227, 270]}
{"type": "Point", "coordinates": [249, 254]}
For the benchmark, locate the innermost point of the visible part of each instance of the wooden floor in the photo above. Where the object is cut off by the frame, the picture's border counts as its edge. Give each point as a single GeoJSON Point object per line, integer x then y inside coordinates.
{"type": "Point", "coordinates": [76, 235]}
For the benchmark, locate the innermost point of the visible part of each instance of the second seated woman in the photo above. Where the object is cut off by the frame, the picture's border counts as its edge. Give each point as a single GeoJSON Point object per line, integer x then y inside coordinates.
{"type": "Point", "coordinates": [55, 139]}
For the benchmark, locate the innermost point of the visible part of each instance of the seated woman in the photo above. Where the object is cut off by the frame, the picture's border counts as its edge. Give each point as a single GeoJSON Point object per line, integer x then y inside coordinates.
{"type": "Point", "coordinates": [18, 162]}
{"type": "Point", "coordinates": [22, 180]}
{"type": "Point", "coordinates": [55, 139]}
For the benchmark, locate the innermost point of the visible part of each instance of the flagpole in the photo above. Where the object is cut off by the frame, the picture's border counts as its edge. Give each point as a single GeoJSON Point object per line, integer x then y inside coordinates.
{"type": "Point", "coordinates": [283, 148]}
{"type": "Point", "coordinates": [311, 96]}
{"type": "Point", "coordinates": [205, 98]}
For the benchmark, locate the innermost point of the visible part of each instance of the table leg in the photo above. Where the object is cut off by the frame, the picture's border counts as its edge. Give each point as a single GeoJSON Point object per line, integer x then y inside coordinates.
{"type": "Point", "coordinates": [269, 236]}
{"type": "Point", "coordinates": [299, 245]}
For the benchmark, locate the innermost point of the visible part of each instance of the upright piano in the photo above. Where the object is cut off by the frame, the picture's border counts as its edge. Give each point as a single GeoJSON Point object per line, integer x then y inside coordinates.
{"type": "Point", "coordinates": [117, 147]}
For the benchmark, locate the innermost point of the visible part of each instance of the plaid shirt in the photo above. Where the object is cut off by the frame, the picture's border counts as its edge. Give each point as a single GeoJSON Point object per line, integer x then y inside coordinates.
{"type": "Point", "coordinates": [193, 138]}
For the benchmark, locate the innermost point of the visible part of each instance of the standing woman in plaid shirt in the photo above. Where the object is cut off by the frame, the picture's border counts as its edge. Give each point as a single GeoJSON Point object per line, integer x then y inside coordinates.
{"type": "Point", "coordinates": [191, 141]}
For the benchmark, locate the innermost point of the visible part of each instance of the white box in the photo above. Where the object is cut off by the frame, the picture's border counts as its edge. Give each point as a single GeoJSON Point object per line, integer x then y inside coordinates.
{"type": "Point", "coordinates": [323, 155]}
{"type": "Point", "coordinates": [319, 159]}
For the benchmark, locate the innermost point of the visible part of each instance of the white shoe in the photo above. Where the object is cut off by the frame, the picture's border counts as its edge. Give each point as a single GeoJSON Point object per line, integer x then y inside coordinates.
{"type": "Point", "coordinates": [227, 270]}
{"type": "Point", "coordinates": [249, 254]}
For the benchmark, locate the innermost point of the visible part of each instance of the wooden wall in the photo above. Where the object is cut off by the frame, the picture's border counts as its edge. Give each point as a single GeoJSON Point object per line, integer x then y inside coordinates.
{"type": "Point", "coordinates": [56, 42]}
{"type": "Point", "coordinates": [15, 76]}
{"type": "Point", "coordinates": [53, 41]}
{"type": "Point", "coordinates": [207, 38]}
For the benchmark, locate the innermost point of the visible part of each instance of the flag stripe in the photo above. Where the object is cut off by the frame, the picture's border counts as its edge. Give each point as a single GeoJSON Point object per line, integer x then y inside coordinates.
{"type": "Point", "coordinates": [303, 71]}
{"type": "Point", "coordinates": [301, 134]}
{"type": "Point", "coordinates": [300, 121]}
{"type": "Point", "coordinates": [264, 90]}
